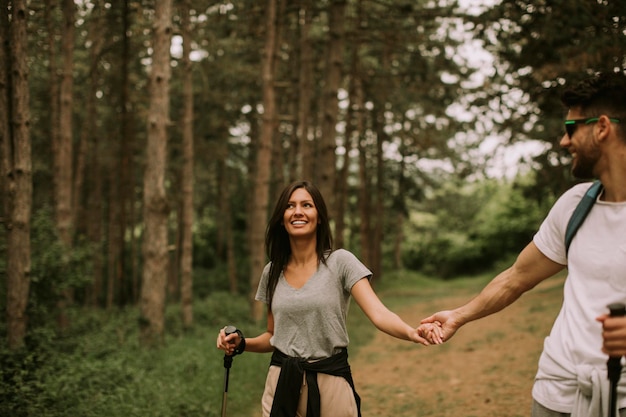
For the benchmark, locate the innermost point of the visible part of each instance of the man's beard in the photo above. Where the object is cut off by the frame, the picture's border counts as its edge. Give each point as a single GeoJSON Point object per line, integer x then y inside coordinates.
{"type": "Point", "coordinates": [585, 162]}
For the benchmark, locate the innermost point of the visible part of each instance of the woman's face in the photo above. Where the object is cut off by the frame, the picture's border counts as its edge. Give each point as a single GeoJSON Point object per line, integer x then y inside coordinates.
{"type": "Point", "coordinates": [300, 217]}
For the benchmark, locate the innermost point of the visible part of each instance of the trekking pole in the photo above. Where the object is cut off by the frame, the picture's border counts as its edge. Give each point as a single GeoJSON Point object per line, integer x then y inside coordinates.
{"type": "Point", "coordinates": [228, 361]}
{"type": "Point", "coordinates": [614, 364]}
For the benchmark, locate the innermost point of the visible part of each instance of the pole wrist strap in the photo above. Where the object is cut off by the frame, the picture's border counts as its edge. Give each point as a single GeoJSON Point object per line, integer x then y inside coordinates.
{"type": "Point", "coordinates": [241, 347]}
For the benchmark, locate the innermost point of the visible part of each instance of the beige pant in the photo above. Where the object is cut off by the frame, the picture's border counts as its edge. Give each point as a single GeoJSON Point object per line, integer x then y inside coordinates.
{"type": "Point", "coordinates": [336, 396]}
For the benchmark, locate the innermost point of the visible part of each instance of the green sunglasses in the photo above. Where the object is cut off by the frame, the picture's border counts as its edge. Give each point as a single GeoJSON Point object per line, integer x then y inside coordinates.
{"type": "Point", "coordinates": [570, 125]}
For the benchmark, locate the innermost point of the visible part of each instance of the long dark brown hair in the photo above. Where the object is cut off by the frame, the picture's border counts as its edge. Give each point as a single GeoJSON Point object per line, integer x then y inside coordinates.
{"type": "Point", "coordinates": [277, 244]}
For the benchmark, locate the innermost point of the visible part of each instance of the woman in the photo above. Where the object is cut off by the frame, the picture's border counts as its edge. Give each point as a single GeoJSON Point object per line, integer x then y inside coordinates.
{"type": "Point", "coordinates": [307, 287]}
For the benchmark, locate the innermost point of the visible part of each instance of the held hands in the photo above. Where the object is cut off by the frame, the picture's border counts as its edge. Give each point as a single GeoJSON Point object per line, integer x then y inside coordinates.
{"type": "Point", "coordinates": [419, 336]}
{"type": "Point", "coordinates": [439, 327]}
{"type": "Point", "coordinates": [432, 332]}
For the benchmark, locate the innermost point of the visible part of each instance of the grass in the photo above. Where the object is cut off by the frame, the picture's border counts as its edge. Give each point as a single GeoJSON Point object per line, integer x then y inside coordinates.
{"type": "Point", "coordinates": [100, 370]}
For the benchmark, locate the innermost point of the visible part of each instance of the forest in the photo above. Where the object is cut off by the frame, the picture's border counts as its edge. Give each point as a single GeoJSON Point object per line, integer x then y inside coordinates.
{"type": "Point", "coordinates": [143, 142]}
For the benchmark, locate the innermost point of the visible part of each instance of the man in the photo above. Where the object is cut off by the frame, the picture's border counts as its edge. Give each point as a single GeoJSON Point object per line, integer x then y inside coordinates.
{"type": "Point", "coordinates": [572, 377]}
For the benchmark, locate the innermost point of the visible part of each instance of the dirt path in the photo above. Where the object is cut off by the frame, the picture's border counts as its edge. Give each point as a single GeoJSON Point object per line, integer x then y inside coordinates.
{"type": "Point", "coordinates": [486, 370]}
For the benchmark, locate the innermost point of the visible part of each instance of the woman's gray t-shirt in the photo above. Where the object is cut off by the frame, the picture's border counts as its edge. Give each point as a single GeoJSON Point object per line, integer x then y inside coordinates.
{"type": "Point", "coordinates": [310, 322]}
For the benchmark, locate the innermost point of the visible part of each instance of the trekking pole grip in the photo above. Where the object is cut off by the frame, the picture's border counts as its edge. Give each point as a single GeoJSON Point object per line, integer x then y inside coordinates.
{"type": "Point", "coordinates": [228, 359]}
{"type": "Point", "coordinates": [617, 309]}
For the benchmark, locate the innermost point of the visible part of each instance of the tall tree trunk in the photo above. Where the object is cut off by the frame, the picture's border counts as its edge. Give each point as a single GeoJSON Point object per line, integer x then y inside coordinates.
{"type": "Point", "coordinates": [92, 215]}
{"type": "Point", "coordinates": [173, 272]}
{"type": "Point", "coordinates": [155, 199]}
{"type": "Point", "coordinates": [186, 256]}
{"type": "Point", "coordinates": [128, 208]}
{"type": "Point", "coordinates": [364, 205]}
{"type": "Point", "coordinates": [220, 152]}
{"type": "Point", "coordinates": [354, 109]}
{"type": "Point", "coordinates": [65, 150]}
{"type": "Point", "coordinates": [399, 211]}
{"type": "Point", "coordinates": [379, 123]}
{"type": "Point", "coordinates": [277, 174]}
{"type": "Point", "coordinates": [226, 238]}
{"type": "Point", "coordinates": [126, 186]}
{"type": "Point", "coordinates": [293, 151]}
{"type": "Point", "coordinates": [334, 62]}
{"type": "Point", "coordinates": [95, 223]}
{"type": "Point", "coordinates": [304, 167]}
{"type": "Point", "coordinates": [121, 182]}
{"type": "Point", "coordinates": [233, 284]}
{"type": "Point", "coordinates": [264, 152]}
{"type": "Point", "coordinates": [53, 88]}
{"type": "Point", "coordinates": [278, 161]}
{"type": "Point", "coordinates": [341, 183]}
{"type": "Point", "coordinates": [364, 180]}
{"type": "Point", "coordinates": [64, 154]}
{"type": "Point", "coordinates": [377, 233]}
{"type": "Point", "coordinates": [6, 167]}
{"type": "Point", "coordinates": [16, 164]}
{"type": "Point", "coordinates": [113, 261]}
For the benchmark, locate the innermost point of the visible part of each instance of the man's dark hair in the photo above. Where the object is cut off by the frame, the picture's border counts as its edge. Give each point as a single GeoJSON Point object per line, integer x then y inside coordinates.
{"type": "Point", "coordinates": [604, 93]}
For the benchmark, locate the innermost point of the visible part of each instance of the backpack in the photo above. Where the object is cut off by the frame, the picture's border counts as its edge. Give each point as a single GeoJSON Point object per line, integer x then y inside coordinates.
{"type": "Point", "coordinates": [581, 211]}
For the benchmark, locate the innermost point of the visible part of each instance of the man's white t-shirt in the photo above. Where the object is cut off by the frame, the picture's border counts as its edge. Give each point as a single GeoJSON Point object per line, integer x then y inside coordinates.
{"type": "Point", "coordinates": [596, 277]}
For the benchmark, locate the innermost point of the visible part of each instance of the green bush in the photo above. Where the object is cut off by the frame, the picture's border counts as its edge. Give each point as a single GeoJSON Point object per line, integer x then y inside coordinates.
{"type": "Point", "coordinates": [98, 369]}
{"type": "Point", "coordinates": [472, 228]}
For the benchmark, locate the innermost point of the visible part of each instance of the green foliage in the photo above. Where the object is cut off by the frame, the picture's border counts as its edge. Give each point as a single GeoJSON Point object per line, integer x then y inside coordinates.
{"type": "Point", "coordinates": [21, 386]}
{"type": "Point", "coordinates": [475, 226]}
{"type": "Point", "coordinates": [542, 47]}
{"type": "Point", "coordinates": [507, 222]}
{"type": "Point", "coordinates": [51, 261]}
{"type": "Point", "coordinates": [209, 281]}
{"type": "Point", "coordinates": [98, 368]}
{"type": "Point", "coordinates": [54, 267]}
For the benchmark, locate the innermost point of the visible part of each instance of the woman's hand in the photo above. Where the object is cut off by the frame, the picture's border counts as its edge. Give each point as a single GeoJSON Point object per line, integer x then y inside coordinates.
{"type": "Point", "coordinates": [227, 343]}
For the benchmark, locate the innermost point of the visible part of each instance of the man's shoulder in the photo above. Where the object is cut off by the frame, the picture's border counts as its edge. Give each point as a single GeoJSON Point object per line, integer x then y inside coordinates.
{"type": "Point", "coordinates": [580, 188]}
{"type": "Point", "coordinates": [576, 192]}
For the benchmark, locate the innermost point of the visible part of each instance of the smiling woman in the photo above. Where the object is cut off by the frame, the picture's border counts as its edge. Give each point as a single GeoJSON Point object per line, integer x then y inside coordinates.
{"type": "Point", "coordinates": [307, 286]}
{"type": "Point", "coordinates": [300, 217]}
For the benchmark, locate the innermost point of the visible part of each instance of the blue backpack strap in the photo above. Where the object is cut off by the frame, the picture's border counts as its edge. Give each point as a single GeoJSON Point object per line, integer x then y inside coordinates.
{"type": "Point", "coordinates": [581, 211]}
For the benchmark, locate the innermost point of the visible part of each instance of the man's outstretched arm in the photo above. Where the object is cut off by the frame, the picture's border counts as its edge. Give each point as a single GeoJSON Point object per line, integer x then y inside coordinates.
{"type": "Point", "coordinates": [530, 268]}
